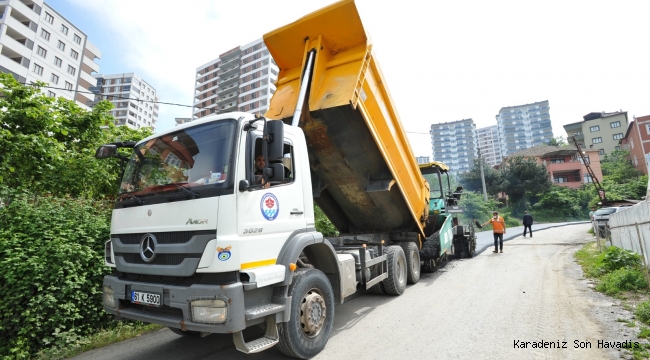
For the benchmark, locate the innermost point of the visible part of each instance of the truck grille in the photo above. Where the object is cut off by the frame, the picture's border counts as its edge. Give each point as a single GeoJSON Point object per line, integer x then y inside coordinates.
{"type": "Point", "coordinates": [175, 237]}
{"type": "Point", "coordinates": [160, 259]}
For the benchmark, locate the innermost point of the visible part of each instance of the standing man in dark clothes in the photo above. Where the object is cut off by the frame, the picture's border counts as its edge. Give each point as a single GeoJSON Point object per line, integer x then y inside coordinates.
{"type": "Point", "coordinates": [528, 221]}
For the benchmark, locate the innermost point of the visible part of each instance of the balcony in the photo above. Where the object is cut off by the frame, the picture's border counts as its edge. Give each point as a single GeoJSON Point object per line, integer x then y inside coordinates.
{"type": "Point", "coordinates": [570, 179]}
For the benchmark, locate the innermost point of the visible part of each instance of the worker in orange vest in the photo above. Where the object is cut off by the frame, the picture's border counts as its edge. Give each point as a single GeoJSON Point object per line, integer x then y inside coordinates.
{"type": "Point", "coordinates": [498, 229]}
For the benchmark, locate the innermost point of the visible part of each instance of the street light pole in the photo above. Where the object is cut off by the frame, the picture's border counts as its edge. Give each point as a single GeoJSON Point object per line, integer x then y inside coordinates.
{"type": "Point", "coordinates": [480, 160]}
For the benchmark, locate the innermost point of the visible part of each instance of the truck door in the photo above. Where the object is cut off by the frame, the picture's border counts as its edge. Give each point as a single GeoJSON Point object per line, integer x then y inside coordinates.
{"type": "Point", "coordinates": [271, 213]}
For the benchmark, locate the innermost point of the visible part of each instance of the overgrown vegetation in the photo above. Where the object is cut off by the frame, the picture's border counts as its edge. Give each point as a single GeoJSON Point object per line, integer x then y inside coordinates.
{"type": "Point", "coordinates": [55, 202]}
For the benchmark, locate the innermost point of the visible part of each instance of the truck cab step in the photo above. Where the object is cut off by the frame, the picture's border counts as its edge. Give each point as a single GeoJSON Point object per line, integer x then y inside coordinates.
{"type": "Point", "coordinates": [269, 339]}
{"type": "Point", "coordinates": [263, 311]}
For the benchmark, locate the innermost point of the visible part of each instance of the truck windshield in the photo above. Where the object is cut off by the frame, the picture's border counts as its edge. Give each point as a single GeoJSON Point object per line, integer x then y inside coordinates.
{"type": "Point", "coordinates": [192, 158]}
{"type": "Point", "coordinates": [434, 185]}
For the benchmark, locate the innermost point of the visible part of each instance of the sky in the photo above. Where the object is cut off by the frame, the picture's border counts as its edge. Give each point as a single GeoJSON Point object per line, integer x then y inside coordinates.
{"type": "Point", "coordinates": [442, 60]}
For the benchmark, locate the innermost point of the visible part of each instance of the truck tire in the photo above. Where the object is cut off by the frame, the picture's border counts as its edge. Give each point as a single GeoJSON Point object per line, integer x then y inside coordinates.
{"type": "Point", "coordinates": [312, 315]}
{"type": "Point", "coordinates": [412, 254]}
{"type": "Point", "coordinates": [395, 283]}
{"type": "Point", "coordinates": [188, 333]}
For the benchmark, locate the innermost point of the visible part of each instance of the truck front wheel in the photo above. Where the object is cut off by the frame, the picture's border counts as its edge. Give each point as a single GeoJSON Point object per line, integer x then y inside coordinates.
{"type": "Point", "coordinates": [312, 315]}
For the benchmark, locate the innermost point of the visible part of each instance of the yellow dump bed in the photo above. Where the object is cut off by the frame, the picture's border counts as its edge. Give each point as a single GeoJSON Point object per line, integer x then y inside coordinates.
{"type": "Point", "coordinates": [364, 173]}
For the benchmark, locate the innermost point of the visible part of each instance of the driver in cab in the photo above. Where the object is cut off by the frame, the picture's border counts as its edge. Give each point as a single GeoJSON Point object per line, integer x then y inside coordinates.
{"type": "Point", "coordinates": [260, 163]}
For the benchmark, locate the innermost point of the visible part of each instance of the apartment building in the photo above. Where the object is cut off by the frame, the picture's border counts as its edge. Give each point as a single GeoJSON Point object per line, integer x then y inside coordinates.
{"type": "Point", "coordinates": [241, 79]}
{"type": "Point", "coordinates": [422, 159]}
{"type": "Point", "coordinates": [454, 143]}
{"type": "Point", "coordinates": [637, 142]}
{"type": "Point", "coordinates": [601, 131]}
{"type": "Point", "coordinates": [39, 44]}
{"type": "Point", "coordinates": [564, 164]}
{"type": "Point", "coordinates": [135, 101]}
{"type": "Point", "coordinates": [181, 121]}
{"type": "Point", "coordinates": [524, 126]}
{"type": "Point", "coordinates": [488, 143]}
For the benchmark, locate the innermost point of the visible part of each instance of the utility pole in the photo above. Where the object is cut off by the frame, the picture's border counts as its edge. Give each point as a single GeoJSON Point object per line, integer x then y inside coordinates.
{"type": "Point", "coordinates": [480, 160]}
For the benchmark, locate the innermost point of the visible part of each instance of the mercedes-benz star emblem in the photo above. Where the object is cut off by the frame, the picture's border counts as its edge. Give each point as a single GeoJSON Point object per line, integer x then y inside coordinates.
{"type": "Point", "coordinates": [148, 247]}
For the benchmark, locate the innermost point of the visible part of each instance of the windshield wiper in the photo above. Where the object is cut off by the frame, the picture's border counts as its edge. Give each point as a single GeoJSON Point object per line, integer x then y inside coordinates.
{"type": "Point", "coordinates": [188, 192]}
{"type": "Point", "coordinates": [137, 199]}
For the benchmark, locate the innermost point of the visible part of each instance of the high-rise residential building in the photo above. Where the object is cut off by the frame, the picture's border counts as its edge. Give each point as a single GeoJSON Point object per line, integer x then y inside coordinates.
{"type": "Point", "coordinates": [39, 44]}
{"type": "Point", "coordinates": [488, 143]}
{"type": "Point", "coordinates": [524, 126]}
{"type": "Point", "coordinates": [600, 131]}
{"type": "Point", "coordinates": [241, 79]}
{"type": "Point", "coordinates": [134, 100]}
{"type": "Point", "coordinates": [181, 121]}
{"type": "Point", "coordinates": [422, 159]}
{"type": "Point", "coordinates": [454, 143]}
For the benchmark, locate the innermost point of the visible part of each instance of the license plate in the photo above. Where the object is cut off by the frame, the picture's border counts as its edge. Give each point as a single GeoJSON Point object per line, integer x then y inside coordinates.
{"type": "Point", "coordinates": [145, 298]}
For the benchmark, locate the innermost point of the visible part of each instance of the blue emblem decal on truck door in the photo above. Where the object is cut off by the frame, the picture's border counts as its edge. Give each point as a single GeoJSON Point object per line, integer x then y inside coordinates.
{"type": "Point", "coordinates": [270, 206]}
{"type": "Point", "coordinates": [224, 253]}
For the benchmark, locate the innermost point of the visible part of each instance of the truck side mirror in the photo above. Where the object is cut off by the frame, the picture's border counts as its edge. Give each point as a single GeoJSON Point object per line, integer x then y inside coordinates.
{"type": "Point", "coordinates": [275, 172]}
{"type": "Point", "coordinates": [275, 132]}
{"type": "Point", "coordinates": [243, 185]}
{"type": "Point", "coordinates": [106, 151]}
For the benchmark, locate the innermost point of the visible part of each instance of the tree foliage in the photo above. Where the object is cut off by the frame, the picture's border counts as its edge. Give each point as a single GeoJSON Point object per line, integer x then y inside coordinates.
{"type": "Point", "coordinates": [522, 177]}
{"type": "Point", "coordinates": [564, 203]}
{"type": "Point", "coordinates": [471, 180]}
{"type": "Point", "coordinates": [47, 145]}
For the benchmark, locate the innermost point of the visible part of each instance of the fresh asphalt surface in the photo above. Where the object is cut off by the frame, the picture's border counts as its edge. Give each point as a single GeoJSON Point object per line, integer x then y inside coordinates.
{"type": "Point", "coordinates": [485, 239]}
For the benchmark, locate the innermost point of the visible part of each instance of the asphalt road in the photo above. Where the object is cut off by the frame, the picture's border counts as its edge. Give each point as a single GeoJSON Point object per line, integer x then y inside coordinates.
{"type": "Point", "coordinates": [469, 309]}
{"type": "Point", "coordinates": [485, 239]}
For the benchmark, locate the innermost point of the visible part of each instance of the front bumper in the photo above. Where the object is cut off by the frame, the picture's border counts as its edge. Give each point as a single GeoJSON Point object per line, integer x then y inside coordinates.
{"type": "Point", "coordinates": [175, 308]}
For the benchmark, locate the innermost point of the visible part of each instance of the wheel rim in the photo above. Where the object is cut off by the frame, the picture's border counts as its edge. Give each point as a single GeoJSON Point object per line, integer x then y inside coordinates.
{"type": "Point", "coordinates": [312, 313]}
{"type": "Point", "coordinates": [401, 270]}
{"type": "Point", "coordinates": [415, 263]}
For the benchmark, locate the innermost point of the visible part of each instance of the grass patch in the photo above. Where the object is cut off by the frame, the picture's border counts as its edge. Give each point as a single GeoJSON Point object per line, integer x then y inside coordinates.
{"type": "Point", "coordinates": [122, 331]}
{"type": "Point", "coordinates": [640, 352]}
{"type": "Point", "coordinates": [620, 280]}
{"type": "Point", "coordinates": [644, 333]}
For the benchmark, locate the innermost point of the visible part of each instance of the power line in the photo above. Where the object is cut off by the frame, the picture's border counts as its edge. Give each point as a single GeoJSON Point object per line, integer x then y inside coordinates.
{"type": "Point", "coordinates": [115, 96]}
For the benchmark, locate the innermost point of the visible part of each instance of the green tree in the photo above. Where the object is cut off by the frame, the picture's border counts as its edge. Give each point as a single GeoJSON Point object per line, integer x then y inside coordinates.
{"type": "Point", "coordinates": [471, 180]}
{"type": "Point", "coordinates": [617, 167]}
{"type": "Point", "coordinates": [558, 141]}
{"type": "Point", "coordinates": [523, 177]}
{"type": "Point", "coordinates": [47, 145]}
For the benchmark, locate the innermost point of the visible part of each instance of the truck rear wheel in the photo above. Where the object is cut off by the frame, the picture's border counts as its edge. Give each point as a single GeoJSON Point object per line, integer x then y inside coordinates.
{"type": "Point", "coordinates": [412, 254]}
{"type": "Point", "coordinates": [395, 283]}
{"type": "Point", "coordinates": [312, 315]}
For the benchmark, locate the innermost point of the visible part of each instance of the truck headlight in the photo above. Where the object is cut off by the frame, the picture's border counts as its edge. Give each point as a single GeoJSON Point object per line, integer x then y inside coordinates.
{"type": "Point", "coordinates": [109, 297]}
{"type": "Point", "coordinates": [209, 311]}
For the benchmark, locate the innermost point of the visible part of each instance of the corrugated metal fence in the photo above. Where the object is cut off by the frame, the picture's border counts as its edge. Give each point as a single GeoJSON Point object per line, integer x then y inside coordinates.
{"type": "Point", "coordinates": [630, 229]}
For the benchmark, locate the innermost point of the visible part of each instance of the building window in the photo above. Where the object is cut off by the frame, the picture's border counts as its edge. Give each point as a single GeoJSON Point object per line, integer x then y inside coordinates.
{"type": "Point", "coordinates": [597, 140]}
{"type": "Point", "coordinates": [77, 39]}
{"type": "Point", "coordinates": [45, 35]}
{"type": "Point", "coordinates": [617, 136]}
{"type": "Point", "coordinates": [588, 179]}
{"type": "Point", "coordinates": [601, 152]}
{"type": "Point", "coordinates": [42, 52]}
{"type": "Point", "coordinates": [61, 45]}
{"type": "Point", "coordinates": [51, 94]}
{"type": "Point", "coordinates": [68, 86]}
{"type": "Point", "coordinates": [57, 61]}
{"type": "Point", "coordinates": [54, 79]}
{"type": "Point", "coordinates": [38, 69]}
{"type": "Point", "coordinates": [64, 29]}
{"type": "Point", "coordinates": [71, 70]}
{"type": "Point", "coordinates": [49, 18]}
{"type": "Point", "coordinates": [74, 54]}
{"type": "Point", "coordinates": [594, 128]}
{"type": "Point", "coordinates": [561, 179]}
{"type": "Point", "coordinates": [615, 124]}
{"type": "Point", "coordinates": [617, 148]}
{"type": "Point", "coordinates": [577, 133]}
{"type": "Point", "coordinates": [557, 160]}
{"type": "Point", "coordinates": [647, 128]}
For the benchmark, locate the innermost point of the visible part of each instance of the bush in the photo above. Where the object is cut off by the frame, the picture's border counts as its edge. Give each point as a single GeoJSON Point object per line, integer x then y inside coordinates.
{"type": "Point", "coordinates": [51, 271]}
{"type": "Point", "coordinates": [616, 258]}
{"type": "Point", "coordinates": [642, 312]}
{"type": "Point", "coordinates": [323, 223]}
{"type": "Point", "coordinates": [623, 279]}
